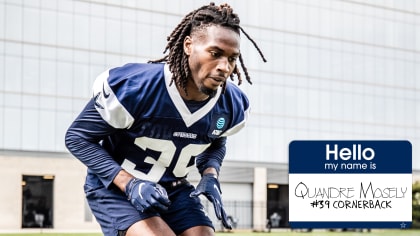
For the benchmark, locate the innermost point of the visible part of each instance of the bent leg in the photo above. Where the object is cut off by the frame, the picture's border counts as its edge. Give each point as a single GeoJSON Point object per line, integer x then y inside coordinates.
{"type": "Point", "coordinates": [111, 208]}
{"type": "Point", "coordinates": [198, 230]}
{"type": "Point", "coordinates": [153, 226]}
{"type": "Point", "coordinates": [187, 214]}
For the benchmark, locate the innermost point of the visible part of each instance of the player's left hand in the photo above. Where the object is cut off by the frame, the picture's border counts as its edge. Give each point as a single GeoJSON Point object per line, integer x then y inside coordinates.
{"type": "Point", "coordinates": [209, 186]}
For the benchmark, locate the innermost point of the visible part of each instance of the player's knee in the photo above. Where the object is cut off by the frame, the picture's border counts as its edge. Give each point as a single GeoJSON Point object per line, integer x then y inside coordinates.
{"type": "Point", "coordinates": [199, 230]}
{"type": "Point", "coordinates": [153, 226]}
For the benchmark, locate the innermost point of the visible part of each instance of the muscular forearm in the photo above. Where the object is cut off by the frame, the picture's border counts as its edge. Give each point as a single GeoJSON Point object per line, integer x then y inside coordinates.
{"type": "Point", "coordinates": [121, 179]}
{"type": "Point", "coordinates": [211, 170]}
{"type": "Point", "coordinates": [212, 157]}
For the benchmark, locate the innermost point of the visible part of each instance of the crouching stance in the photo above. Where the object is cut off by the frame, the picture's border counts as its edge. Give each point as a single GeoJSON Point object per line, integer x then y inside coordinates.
{"type": "Point", "coordinates": [148, 124]}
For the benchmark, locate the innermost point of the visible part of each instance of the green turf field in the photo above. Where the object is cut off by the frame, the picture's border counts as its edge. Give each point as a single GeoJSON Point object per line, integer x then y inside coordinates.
{"type": "Point", "coordinates": [281, 233]}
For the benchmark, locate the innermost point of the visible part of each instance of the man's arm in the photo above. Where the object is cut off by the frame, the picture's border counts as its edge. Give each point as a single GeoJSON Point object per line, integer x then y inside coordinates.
{"type": "Point", "coordinates": [82, 140]}
{"type": "Point", "coordinates": [211, 171]}
{"type": "Point", "coordinates": [212, 157]}
{"type": "Point", "coordinates": [208, 164]}
{"type": "Point", "coordinates": [209, 186]}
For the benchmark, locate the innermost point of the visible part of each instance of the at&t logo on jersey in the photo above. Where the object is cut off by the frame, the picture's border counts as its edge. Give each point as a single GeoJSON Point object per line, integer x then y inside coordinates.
{"type": "Point", "coordinates": [220, 124]}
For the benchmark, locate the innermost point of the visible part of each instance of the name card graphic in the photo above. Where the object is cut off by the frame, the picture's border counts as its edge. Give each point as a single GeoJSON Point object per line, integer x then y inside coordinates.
{"type": "Point", "coordinates": [350, 184]}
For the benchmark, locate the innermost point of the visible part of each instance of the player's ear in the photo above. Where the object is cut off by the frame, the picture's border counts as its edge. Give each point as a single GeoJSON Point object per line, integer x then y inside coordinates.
{"type": "Point", "coordinates": [187, 45]}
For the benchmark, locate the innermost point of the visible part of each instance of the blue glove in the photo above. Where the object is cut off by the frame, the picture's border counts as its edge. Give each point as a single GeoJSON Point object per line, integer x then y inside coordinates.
{"type": "Point", "coordinates": [209, 186]}
{"type": "Point", "coordinates": [146, 195]}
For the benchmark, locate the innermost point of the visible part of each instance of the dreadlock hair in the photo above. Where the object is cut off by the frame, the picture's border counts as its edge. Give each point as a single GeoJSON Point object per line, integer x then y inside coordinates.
{"type": "Point", "coordinates": [198, 19]}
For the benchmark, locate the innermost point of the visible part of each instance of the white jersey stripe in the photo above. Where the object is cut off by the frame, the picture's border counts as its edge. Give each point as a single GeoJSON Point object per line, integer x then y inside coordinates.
{"type": "Point", "coordinates": [107, 104]}
{"type": "Point", "coordinates": [188, 117]}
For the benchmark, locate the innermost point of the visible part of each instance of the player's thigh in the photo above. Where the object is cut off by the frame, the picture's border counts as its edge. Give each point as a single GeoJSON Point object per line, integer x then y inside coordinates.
{"type": "Point", "coordinates": [153, 226]}
{"type": "Point", "coordinates": [198, 230]}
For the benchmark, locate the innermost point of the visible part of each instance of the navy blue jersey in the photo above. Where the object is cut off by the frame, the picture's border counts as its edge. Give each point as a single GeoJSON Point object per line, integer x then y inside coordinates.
{"type": "Point", "coordinates": [139, 122]}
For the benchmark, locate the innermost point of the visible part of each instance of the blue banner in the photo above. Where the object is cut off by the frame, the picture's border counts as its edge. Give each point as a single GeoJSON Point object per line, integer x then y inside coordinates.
{"type": "Point", "coordinates": [350, 157]}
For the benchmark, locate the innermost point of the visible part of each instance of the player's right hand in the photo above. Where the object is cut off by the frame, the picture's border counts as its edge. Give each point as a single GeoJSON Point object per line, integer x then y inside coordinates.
{"type": "Point", "coordinates": [146, 195]}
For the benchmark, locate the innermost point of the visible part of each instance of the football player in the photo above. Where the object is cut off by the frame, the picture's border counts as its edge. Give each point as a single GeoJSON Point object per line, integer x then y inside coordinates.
{"type": "Point", "coordinates": [148, 124]}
